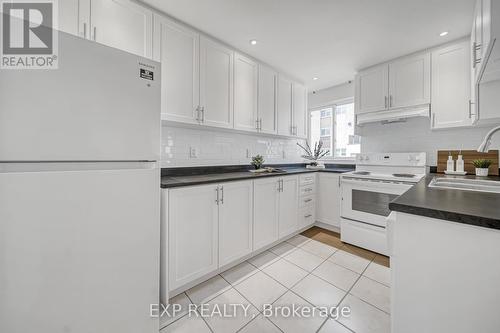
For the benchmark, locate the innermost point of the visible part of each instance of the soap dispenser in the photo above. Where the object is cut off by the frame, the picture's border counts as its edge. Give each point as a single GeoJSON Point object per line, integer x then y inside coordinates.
{"type": "Point", "coordinates": [460, 162]}
{"type": "Point", "coordinates": [450, 164]}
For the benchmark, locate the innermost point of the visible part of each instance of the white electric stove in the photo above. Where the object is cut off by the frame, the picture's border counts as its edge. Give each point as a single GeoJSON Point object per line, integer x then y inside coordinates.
{"type": "Point", "coordinates": [378, 179]}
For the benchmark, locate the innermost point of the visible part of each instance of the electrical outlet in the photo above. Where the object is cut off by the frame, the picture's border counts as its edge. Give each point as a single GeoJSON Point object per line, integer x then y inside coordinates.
{"type": "Point", "coordinates": [193, 152]}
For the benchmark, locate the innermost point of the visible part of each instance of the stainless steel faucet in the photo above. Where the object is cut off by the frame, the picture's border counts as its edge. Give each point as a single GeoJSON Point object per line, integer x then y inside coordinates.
{"type": "Point", "coordinates": [485, 145]}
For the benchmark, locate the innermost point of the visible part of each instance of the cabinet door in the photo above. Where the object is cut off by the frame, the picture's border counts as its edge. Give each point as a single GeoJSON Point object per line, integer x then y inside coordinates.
{"type": "Point", "coordinates": [299, 110]}
{"type": "Point", "coordinates": [477, 40]}
{"type": "Point", "coordinates": [284, 106]}
{"type": "Point", "coordinates": [123, 24]}
{"type": "Point", "coordinates": [216, 83]}
{"type": "Point", "coordinates": [410, 81]}
{"type": "Point", "coordinates": [266, 204]}
{"type": "Point", "coordinates": [372, 89]}
{"type": "Point", "coordinates": [451, 86]}
{"type": "Point", "coordinates": [177, 48]}
{"type": "Point", "coordinates": [288, 206]}
{"type": "Point", "coordinates": [328, 200]}
{"type": "Point", "coordinates": [268, 80]}
{"type": "Point", "coordinates": [235, 221]}
{"type": "Point", "coordinates": [74, 17]}
{"type": "Point", "coordinates": [192, 233]}
{"type": "Point", "coordinates": [245, 93]}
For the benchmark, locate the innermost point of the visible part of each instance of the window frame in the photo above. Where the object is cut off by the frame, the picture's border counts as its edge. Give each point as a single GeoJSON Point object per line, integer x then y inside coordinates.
{"type": "Point", "coordinates": [333, 105]}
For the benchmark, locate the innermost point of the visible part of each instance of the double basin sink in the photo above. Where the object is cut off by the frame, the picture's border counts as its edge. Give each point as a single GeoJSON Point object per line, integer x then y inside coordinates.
{"type": "Point", "coordinates": [478, 185]}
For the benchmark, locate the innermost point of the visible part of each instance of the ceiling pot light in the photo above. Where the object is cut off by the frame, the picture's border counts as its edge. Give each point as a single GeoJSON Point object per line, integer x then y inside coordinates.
{"type": "Point", "coordinates": [253, 42]}
{"type": "Point", "coordinates": [444, 33]}
{"type": "Point", "coordinates": [315, 78]}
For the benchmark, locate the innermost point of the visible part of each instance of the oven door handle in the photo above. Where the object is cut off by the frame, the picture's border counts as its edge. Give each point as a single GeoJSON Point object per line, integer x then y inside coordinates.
{"type": "Point", "coordinates": [374, 182]}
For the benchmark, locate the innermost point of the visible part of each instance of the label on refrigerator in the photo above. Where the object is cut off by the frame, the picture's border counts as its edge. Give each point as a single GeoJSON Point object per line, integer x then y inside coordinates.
{"type": "Point", "coordinates": [146, 74]}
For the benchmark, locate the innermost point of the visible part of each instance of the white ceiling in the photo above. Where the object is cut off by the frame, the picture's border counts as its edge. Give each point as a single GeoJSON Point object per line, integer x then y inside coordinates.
{"type": "Point", "coordinates": [328, 39]}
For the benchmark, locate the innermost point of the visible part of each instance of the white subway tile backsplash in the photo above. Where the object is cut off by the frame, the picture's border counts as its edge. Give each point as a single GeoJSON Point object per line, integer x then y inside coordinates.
{"type": "Point", "coordinates": [217, 147]}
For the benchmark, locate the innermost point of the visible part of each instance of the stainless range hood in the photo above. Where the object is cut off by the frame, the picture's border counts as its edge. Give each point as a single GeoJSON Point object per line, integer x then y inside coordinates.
{"type": "Point", "coordinates": [393, 115]}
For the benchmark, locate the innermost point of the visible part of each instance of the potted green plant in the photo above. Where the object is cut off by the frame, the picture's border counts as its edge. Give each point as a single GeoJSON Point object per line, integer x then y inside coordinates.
{"type": "Point", "coordinates": [482, 167]}
{"type": "Point", "coordinates": [314, 155]}
{"type": "Point", "coordinates": [257, 161]}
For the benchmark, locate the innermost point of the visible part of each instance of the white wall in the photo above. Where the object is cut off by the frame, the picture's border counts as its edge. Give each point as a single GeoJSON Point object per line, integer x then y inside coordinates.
{"type": "Point", "coordinates": [415, 136]}
{"type": "Point", "coordinates": [216, 147]}
{"type": "Point", "coordinates": [330, 95]}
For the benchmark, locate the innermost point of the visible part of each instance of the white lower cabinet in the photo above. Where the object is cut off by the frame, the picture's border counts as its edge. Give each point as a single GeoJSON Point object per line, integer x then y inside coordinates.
{"type": "Point", "coordinates": [193, 233]}
{"type": "Point", "coordinates": [288, 206]}
{"type": "Point", "coordinates": [235, 221]}
{"type": "Point", "coordinates": [329, 197]}
{"type": "Point", "coordinates": [209, 226]}
{"type": "Point", "coordinates": [266, 208]}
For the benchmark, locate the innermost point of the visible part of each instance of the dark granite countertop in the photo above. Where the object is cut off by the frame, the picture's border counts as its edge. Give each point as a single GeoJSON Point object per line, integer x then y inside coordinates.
{"type": "Point", "coordinates": [468, 207]}
{"type": "Point", "coordinates": [178, 180]}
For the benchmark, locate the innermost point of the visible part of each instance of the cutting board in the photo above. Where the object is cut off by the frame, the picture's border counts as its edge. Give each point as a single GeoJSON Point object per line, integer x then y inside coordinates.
{"type": "Point", "coordinates": [468, 156]}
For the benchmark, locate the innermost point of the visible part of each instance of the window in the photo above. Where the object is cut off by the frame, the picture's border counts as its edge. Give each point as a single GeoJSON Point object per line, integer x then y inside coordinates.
{"type": "Point", "coordinates": [334, 126]}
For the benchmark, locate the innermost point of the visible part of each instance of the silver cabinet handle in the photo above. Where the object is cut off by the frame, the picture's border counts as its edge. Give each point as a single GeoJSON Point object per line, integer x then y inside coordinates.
{"type": "Point", "coordinates": [84, 30]}
{"type": "Point", "coordinates": [308, 215]}
{"type": "Point", "coordinates": [260, 124]}
{"type": "Point", "coordinates": [385, 101]}
{"type": "Point", "coordinates": [279, 185]}
{"type": "Point", "coordinates": [95, 33]}
{"type": "Point", "coordinates": [433, 120]}
{"type": "Point", "coordinates": [197, 113]}
{"type": "Point", "coordinates": [390, 101]}
{"type": "Point", "coordinates": [222, 195]}
{"type": "Point", "coordinates": [217, 195]}
{"type": "Point", "coordinates": [470, 109]}
{"type": "Point", "coordinates": [257, 124]}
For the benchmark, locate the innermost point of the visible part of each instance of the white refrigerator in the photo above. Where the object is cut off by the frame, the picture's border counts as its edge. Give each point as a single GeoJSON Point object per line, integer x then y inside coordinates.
{"type": "Point", "coordinates": [80, 193]}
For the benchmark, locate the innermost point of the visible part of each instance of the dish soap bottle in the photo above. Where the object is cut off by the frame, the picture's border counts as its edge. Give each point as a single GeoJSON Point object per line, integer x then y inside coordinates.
{"type": "Point", "coordinates": [450, 164]}
{"type": "Point", "coordinates": [460, 162]}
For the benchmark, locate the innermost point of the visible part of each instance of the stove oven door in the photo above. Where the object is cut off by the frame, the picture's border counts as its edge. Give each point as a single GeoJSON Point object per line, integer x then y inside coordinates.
{"type": "Point", "coordinates": [367, 200]}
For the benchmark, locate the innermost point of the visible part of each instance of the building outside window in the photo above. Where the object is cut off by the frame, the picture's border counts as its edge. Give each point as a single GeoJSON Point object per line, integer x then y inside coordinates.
{"type": "Point", "coordinates": [334, 126]}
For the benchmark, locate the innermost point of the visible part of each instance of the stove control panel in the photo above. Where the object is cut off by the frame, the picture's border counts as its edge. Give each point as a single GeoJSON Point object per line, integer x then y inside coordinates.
{"type": "Point", "coordinates": [392, 159]}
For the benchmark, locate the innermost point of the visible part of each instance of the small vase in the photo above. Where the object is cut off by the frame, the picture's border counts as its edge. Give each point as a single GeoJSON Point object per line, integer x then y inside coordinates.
{"type": "Point", "coordinates": [482, 172]}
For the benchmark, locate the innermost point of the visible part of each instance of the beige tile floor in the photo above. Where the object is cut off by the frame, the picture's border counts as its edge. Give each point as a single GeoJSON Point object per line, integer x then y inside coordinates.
{"type": "Point", "coordinates": [313, 269]}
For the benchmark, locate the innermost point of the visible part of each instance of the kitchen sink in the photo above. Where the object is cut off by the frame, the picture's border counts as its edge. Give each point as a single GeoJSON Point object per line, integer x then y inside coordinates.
{"type": "Point", "coordinates": [466, 184]}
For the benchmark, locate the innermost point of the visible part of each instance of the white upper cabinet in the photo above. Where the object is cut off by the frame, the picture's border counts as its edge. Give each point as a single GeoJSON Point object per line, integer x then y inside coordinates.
{"type": "Point", "coordinates": [122, 24]}
{"type": "Point", "coordinates": [400, 84]}
{"type": "Point", "coordinates": [235, 221]}
{"type": "Point", "coordinates": [246, 72]}
{"type": "Point", "coordinates": [267, 116]}
{"type": "Point", "coordinates": [177, 48]}
{"type": "Point", "coordinates": [372, 89]}
{"type": "Point", "coordinates": [451, 82]}
{"type": "Point", "coordinates": [288, 203]}
{"type": "Point", "coordinates": [74, 17]}
{"type": "Point", "coordinates": [477, 39]}
{"type": "Point", "coordinates": [284, 106]}
{"type": "Point", "coordinates": [409, 81]}
{"type": "Point", "coordinates": [299, 127]}
{"type": "Point", "coordinates": [216, 83]}
{"type": "Point", "coordinates": [192, 233]}
{"type": "Point", "coordinates": [266, 210]}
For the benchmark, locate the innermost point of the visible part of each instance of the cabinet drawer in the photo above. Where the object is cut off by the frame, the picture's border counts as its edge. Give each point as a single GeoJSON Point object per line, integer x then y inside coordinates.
{"type": "Point", "coordinates": [307, 201]}
{"type": "Point", "coordinates": [306, 216]}
{"type": "Point", "coordinates": [307, 179]}
{"type": "Point", "coordinates": [307, 190]}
